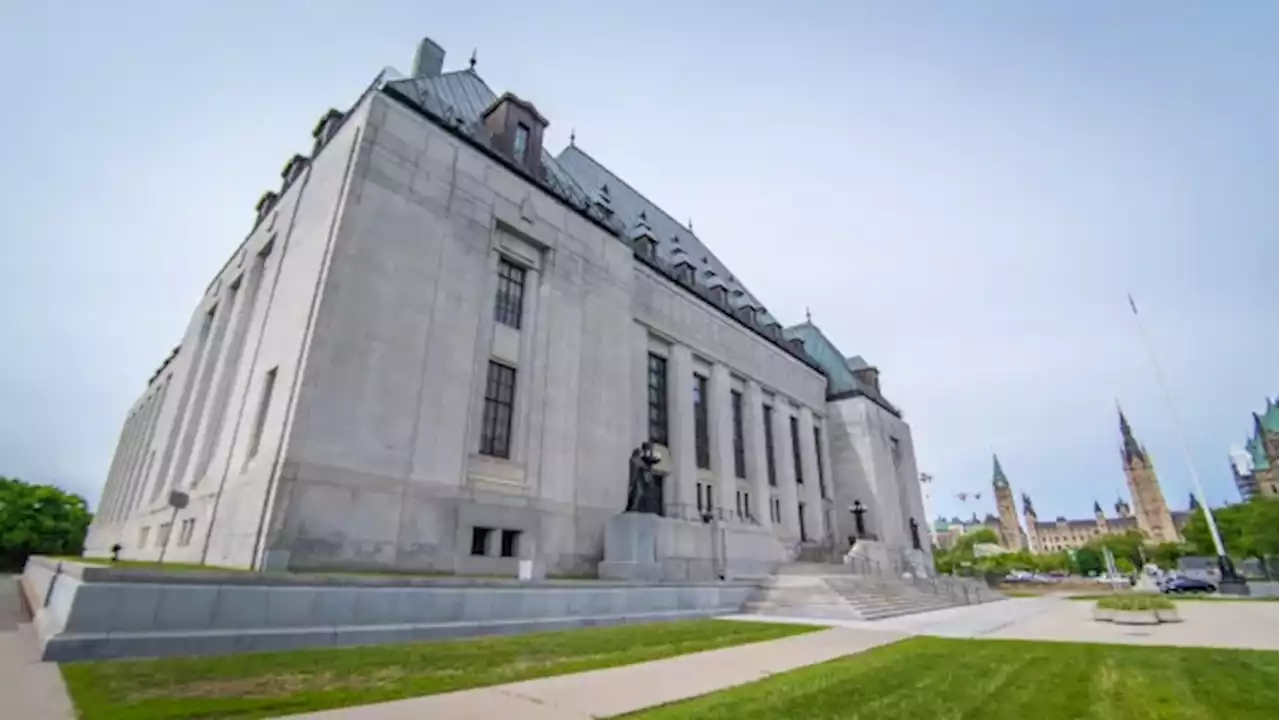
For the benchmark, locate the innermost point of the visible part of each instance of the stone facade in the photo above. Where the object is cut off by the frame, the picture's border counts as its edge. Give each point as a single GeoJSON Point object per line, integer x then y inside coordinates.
{"type": "Point", "coordinates": [1149, 514]}
{"type": "Point", "coordinates": [1011, 535]}
{"type": "Point", "coordinates": [1257, 468]}
{"type": "Point", "coordinates": [361, 386]}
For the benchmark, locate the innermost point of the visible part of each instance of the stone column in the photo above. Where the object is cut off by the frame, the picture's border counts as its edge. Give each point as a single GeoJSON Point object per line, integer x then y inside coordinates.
{"type": "Point", "coordinates": [720, 431]}
{"type": "Point", "coordinates": [810, 493]}
{"type": "Point", "coordinates": [753, 432]}
{"type": "Point", "coordinates": [786, 473]}
{"type": "Point", "coordinates": [682, 486]}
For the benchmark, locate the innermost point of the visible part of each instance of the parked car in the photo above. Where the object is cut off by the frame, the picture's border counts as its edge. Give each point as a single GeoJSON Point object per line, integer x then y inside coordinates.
{"type": "Point", "coordinates": [1187, 585]}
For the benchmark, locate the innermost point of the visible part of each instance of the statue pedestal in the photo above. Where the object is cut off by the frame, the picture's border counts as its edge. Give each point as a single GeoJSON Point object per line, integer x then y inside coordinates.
{"type": "Point", "coordinates": [631, 548]}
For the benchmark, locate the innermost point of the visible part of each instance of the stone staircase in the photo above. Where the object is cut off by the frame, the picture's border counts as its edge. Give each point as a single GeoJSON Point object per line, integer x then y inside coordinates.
{"type": "Point", "coordinates": [834, 592]}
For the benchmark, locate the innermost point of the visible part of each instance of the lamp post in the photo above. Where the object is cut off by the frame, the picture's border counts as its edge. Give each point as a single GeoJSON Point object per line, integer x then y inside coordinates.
{"type": "Point", "coordinates": [859, 529]}
{"type": "Point", "coordinates": [1229, 581]}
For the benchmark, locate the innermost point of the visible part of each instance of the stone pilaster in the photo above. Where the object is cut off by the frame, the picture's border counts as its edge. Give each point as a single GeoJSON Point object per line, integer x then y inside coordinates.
{"type": "Point", "coordinates": [809, 492]}
{"type": "Point", "coordinates": [720, 433]}
{"type": "Point", "coordinates": [785, 468]}
{"type": "Point", "coordinates": [681, 492]}
{"type": "Point", "coordinates": [757, 470]}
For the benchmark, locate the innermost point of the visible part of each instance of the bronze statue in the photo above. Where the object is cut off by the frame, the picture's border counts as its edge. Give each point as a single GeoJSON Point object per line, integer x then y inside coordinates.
{"type": "Point", "coordinates": [641, 495]}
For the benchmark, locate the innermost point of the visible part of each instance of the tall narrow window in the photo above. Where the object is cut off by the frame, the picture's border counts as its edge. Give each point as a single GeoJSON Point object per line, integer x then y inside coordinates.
{"type": "Point", "coordinates": [817, 448]}
{"type": "Point", "coordinates": [701, 441]}
{"type": "Point", "coordinates": [895, 451]}
{"type": "Point", "coordinates": [768, 445]}
{"type": "Point", "coordinates": [657, 399]}
{"type": "Point", "coordinates": [739, 448]}
{"type": "Point", "coordinates": [264, 404]}
{"type": "Point", "coordinates": [795, 449]}
{"type": "Point", "coordinates": [499, 399]}
{"type": "Point", "coordinates": [509, 305]}
{"type": "Point", "coordinates": [521, 145]}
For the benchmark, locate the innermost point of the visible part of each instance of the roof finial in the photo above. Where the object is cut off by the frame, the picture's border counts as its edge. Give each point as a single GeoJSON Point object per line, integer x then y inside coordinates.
{"type": "Point", "coordinates": [808, 316]}
{"type": "Point", "coordinates": [472, 62]}
{"type": "Point", "coordinates": [573, 136]}
{"type": "Point", "coordinates": [690, 224]}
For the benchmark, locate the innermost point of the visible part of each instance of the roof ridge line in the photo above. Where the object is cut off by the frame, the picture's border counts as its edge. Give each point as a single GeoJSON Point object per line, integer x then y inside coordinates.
{"type": "Point", "coordinates": [631, 187]}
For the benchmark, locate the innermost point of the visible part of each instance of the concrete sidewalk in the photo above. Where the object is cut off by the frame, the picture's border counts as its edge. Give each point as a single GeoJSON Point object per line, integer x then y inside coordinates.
{"type": "Point", "coordinates": [604, 693]}
{"type": "Point", "coordinates": [29, 689]}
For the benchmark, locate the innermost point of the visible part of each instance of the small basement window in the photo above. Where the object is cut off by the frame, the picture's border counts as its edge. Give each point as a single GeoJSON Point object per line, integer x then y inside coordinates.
{"type": "Point", "coordinates": [480, 540]}
{"type": "Point", "coordinates": [510, 543]}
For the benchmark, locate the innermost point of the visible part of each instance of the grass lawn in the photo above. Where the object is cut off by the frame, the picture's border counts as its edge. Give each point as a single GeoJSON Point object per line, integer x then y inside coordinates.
{"type": "Point", "coordinates": [270, 684]}
{"type": "Point", "coordinates": [950, 679]}
{"type": "Point", "coordinates": [149, 565]}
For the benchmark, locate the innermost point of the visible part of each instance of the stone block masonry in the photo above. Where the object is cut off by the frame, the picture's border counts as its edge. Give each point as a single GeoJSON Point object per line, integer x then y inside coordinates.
{"type": "Point", "coordinates": [84, 612]}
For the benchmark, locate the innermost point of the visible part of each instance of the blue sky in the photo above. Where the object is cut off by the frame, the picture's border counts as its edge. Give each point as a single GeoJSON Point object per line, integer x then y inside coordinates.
{"type": "Point", "coordinates": [962, 192]}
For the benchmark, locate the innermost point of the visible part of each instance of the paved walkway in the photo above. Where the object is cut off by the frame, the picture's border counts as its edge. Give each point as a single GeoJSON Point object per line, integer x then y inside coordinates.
{"type": "Point", "coordinates": [1207, 623]}
{"type": "Point", "coordinates": [29, 689]}
{"type": "Point", "coordinates": [604, 693]}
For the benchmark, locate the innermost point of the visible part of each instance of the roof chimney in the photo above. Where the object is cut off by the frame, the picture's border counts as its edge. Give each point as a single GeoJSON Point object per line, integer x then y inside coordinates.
{"type": "Point", "coordinates": [429, 60]}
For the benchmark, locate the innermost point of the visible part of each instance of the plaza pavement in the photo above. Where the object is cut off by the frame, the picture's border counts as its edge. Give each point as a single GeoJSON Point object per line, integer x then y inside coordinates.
{"type": "Point", "coordinates": [29, 689]}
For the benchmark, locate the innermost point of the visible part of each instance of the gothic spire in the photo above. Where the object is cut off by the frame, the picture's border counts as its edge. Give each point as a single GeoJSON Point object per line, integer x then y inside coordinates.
{"type": "Point", "coordinates": [1027, 508]}
{"type": "Point", "coordinates": [1194, 504]}
{"type": "Point", "coordinates": [1097, 508]}
{"type": "Point", "coordinates": [998, 480]}
{"type": "Point", "coordinates": [1130, 449]}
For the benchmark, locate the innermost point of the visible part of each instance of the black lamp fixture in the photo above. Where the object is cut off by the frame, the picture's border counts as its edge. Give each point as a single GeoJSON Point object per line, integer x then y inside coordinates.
{"type": "Point", "coordinates": [858, 511]}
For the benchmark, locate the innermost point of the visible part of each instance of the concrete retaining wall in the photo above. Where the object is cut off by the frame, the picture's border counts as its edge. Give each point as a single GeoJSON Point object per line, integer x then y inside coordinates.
{"type": "Point", "coordinates": [97, 613]}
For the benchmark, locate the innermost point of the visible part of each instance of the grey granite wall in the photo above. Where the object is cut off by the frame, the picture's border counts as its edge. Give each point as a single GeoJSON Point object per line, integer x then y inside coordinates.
{"type": "Point", "coordinates": [97, 613]}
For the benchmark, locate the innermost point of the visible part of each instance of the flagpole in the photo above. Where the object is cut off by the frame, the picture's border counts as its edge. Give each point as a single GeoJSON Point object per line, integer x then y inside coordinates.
{"type": "Point", "coordinates": [1224, 562]}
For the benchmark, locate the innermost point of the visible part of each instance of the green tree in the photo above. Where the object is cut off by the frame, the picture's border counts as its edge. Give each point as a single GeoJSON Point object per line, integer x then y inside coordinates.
{"type": "Point", "coordinates": [1128, 545]}
{"type": "Point", "coordinates": [1089, 561]}
{"type": "Point", "coordinates": [961, 554]}
{"type": "Point", "coordinates": [39, 520]}
{"type": "Point", "coordinates": [1165, 555]}
{"type": "Point", "coordinates": [1233, 525]}
{"type": "Point", "coordinates": [1263, 525]}
{"type": "Point", "coordinates": [1053, 562]}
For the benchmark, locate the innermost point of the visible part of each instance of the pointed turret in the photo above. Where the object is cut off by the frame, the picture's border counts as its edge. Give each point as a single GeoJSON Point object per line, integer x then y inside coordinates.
{"type": "Point", "coordinates": [1097, 508]}
{"type": "Point", "coordinates": [1027, 507]}
{"type": "Point", "coordinates": [1122, 508]}
{"type": "Point", "coordinates": [998, 480]}
{"type": "Point", "coordinates": [1194, 504]}
{"type": "Point", "coordinates": [1130, 449]}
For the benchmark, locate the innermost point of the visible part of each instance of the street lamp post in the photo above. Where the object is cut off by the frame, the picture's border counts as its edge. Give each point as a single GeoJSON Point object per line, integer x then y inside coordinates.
{"type": "Point", "coordinates": [1229, 582]}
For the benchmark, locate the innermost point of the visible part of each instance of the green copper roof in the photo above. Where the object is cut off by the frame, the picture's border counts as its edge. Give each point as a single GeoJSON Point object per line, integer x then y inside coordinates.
{"type": "Point", "coordinates": [840, 378]}
{"type": "Point", "coordinates": [1257, 453]}
{"type": "Point", "coordinates": [997, 476]}
{"type": "Point", "coordinates": [1271, 418]}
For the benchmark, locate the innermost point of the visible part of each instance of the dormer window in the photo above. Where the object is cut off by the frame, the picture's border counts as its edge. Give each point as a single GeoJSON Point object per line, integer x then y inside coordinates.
{"type": "Point", "coordinates": [719, 293]}
{"type": "Point", "coordinates": [265, 204]}
{"type": "Point", "coordinates": [515, 127]}
{"type": "Point", "coordinates": [293, 169]}
{"type": "Point", "coordinates": [521, 145]}
{"type": "Point", "coordinates": [685, 271]}
{"type": "Point", "coordinates": [326, 127]}
{"type": "Point", "coordinates": [746, 314]}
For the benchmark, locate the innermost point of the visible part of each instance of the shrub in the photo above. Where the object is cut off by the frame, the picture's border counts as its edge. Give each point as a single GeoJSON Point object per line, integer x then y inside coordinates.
{"type": "Point", "coordinates": [1136, 601]}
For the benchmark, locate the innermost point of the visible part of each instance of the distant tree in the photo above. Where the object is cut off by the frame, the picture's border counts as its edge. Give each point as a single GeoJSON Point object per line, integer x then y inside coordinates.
{"type": "Point", "coordinates": [1264, 527]}
{"type": "Point", "coordinates": [1089, 562]}
{"type": "Point", "coordinates": [1128, 545]}
{"type": "Point", "coordinates": [1165, 555]}
{"type": "Point", "coordinates": [1053, 562]}
{"type": "Point", "coordinates": [39, 520]}
{"type": "Point", "coordinates": [1249, 530]}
